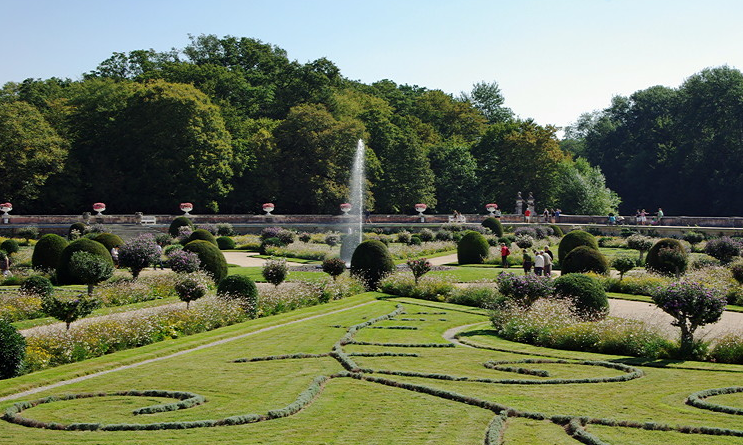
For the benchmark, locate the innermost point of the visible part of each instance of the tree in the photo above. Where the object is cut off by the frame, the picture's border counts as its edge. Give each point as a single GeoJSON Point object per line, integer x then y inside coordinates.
{"type": "Point", "coordinates": [275, 271]}
{"type": "Point", "coordinates": [30, 151]}
{"type": "Point", "coordinates": [138, 253]}
{"type": "Point", "coordinates": [455, 172]}
{"type": "Point", "coordinates": [488, 98]}
{"type": "Point", "coordinates": [68, 310]}
{"type": "Point", "coordinates": [452, 119]}
{"type": "Point", "coordinates": [90, 269]}
{"type": "Point", "coordinates": [581, 189]}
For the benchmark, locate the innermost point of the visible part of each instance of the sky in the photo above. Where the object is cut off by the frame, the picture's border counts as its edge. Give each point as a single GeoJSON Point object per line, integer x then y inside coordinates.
{"type": "Point", "coordinates": [553, 59]}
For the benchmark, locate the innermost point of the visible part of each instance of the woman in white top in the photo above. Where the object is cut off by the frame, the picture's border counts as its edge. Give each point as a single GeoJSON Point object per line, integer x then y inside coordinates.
{"type": "Point", "coordinates": [538, 262]}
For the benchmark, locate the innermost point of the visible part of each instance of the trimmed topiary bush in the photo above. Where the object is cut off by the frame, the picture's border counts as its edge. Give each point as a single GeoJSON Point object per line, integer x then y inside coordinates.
{"type": "Point", "coordinates": [109, 240]}
{"type": "Point", "coordinates": [333, 267]}
{"type": "Point", "coordinates": [64, 274]}
{"type": "Point", "coordinates": [212, 259]}
{"type": "Point", "coordinates": [585, 259]}
{"type": "Point", "coordinates": [556, 230]}
{"type": "Point", "coordinates": [241, 289]}
{"type": "Point", "coordinates": [47, 251]}
{"type": "Point", "coordinates": [10, 246]}
{"type": "Point", "coordinates": [12, 351]}
{"type": "Point", "coordinates": [90, 269]}
{"type": "Point", "coordinates": [473, 248]}
{"type": "Point", "coordinates": [572, 240]}
{"type": "Point", "coordinates": [275, 271]}
{"type": "Point", "coordinates": [190, 288]}
{"type": "Point", "coordinates": [667, 256]}
{"type": "Point", "coordinates": [586, 293]}
{"type": "Point", "coordinates": [37, 285]}
{"type": "Point", "coordinates": [623, 264]}
{"type": "Point", "coordinates": [225, 243]}
{"type": "Point", "coordinates": [370, 262]}
{"type": "Point", "coordinates": [138, 253]}
{"type": "Point", "coordinates": [177, 224]}
{"type": "Point", "coordinates": [723, 249]}
{"type": "Point", "coordinates": [76, 230]}
{"type": "Point", "coordinates": [426, 235]}
{"type": "Point", "coordinates": [494, 225]}
{"type": "Point", "coordinates": [202, 234]}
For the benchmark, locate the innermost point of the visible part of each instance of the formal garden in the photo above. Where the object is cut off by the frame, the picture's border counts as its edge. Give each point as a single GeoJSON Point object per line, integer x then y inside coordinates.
{"type": "Point", "coordinates": [426, 338]}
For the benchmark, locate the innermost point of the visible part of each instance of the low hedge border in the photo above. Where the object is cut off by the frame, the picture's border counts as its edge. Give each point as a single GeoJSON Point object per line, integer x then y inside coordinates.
{"type": "Point", "coordinates": [631, 372]}
{"type": "Point", "coordinates": [496, 428]}
{"type": "Point", "coordinates": [410, 328]}
{"type": "Point", "coordinates": [278, 357]}
{"type": "Point", "coordinates": [697, 400]}
{"type": "Point", "coordinates": [405, 345]}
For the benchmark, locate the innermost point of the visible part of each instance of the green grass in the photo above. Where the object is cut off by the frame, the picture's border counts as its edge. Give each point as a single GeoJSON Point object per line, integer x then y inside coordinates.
{"type": "Point", "coordinates": [356, 411]}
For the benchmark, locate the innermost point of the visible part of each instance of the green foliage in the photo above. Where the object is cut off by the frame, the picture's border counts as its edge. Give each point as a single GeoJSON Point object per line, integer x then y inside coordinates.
{"type": "Point", "coordinates": [109, 240]}
{"type": "Point", "coordinates": [138, 253]}
{"type": "Point", "coordinates": [89, 268]}
{"type": "Point", "coordinates": [12, 350]}
{"type": "Point", "coordinates": [724, 249]}
{"type": "Point", "coordinates": [419, 267]}
{"type": "Point", "coordinates": [47, 251]}
{"type": "Point", "coordinates": [275, 271]}
{"type": "Point", "coordinates": [177, 223]}
{"type": "Point", "coordinates": [585, 259]}
{"type": "Point", "coordinates": [37, 285]}
{"type": "Point", "coordinates": [370, 262]}
{"type": "Point", "coordinates": [241, 289]}
{"type": "Point", "coordinates": [268, 243]}
{"type": "Point", "coordinates": [494, 225]}
{"type": "Point", "coordinates": [667, 256]}
{"type": "Point", "coordinates": [582, 189]}
{"type": "Point", "coordinates": [202, 234]}
{"type": "Point", "coordinates": [524, 290]}
{"type": "Point", "coordinates": [190, 288]}
{"type": "Point", "coordinates": [333, 267]}
{"type": "Point", "coordinates": [737, 271]}
{"type": "Point", "coordinates": [76, 230]}
{"type": "Point", "coordinates": [28, 232]}
{"type": "Point", "coordinates": [572, 240]}
{"type": "Point", "coordinates": [225, 243]}
{"type": "Point", "coordinates": [693, 237]}
{"type": "Point", "coordinates": [623, 264]}
{"type": "Point", "coordinates": [212, 259]}
{"type": "Point", "coordinates": [556, 230]}
{"type": "Point", "coordinates": [425, 235]}
{"type": "Point", "coordinates": [9, 246]}
{"type": "Point", "coordinates": [473, 248]}
{"type": "Point", "coordinates": [728, 349]}
{"type": "Point", "coordinates": [586, 293]}
{"type": "Point", "coordinates": [68, 310]}
{"type": "Point", "coordinates": [64, 272]}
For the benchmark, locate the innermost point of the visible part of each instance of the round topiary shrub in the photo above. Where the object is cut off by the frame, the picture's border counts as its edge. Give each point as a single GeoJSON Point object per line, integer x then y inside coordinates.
{"type": "Point", "coordinates": [333, 267]}
{"type": "Point", "coordinates": [47, 251]}
{"type": "Point", "coordinates": [473, 248]}
{"type": "Point", "coordinates": [269, 242]}
{"type": "Point", "coordinates": [202, 234]}
{"type": "Point", "coordinates": [190, 288]}
{"type": "Point", "coordinates": [572, 240]}
{"type": "Point", "coordinates": [586, 293]}
{"type": "Point", "coordinates": [225, 243]}
{"type": "Point", "coordinates": [723, 249]}
{"type": "Point", "coordinates": [76, 230]}
{"type": "Point", "coordinates": [415, 240]}
{"type": "Point", "coordinates": [12, 350]}
{"type": "Point", "coordinates": [370, 262]}
{"type": "Point", "coordinates": [737, 271]}
{"type": "Point", "coordinates": [426, 235]}
{"type": "Point", "coordinates": [494, 225]}
{"type": "Point", "coordinates": [556, 230]}
{"type": "Point", "coordinates": [64, 273]}
{"type": "Point", "coordinates": [10, 246]}
{"type": "Point", "coordinates": [585, 259]}
{"type": "Point", "coordinates": [667, 256]}
{"type": "Point", "coordinates": [109, 240]}
{"type": "Point", "coordinates": [241, 289]}
{"type": "Point", "coordinates": [212, 259]}
{"type": "Point", "coordinates": [37, 285]}
{"type": "Point", "coordinates": [177, 224]}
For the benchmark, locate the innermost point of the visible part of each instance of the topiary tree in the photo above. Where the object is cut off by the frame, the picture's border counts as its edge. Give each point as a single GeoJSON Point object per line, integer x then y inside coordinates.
{"type": "Point", "coordinates": [212, 259]}
{"type": "Point", "coordinates": [47, 251]}
{"type": "Point", "coordinates": [419, 267]}
{"type": "Point", "coordinates": [574, 239]}
{"type": "Point", "coordinates": [76, 230]}
{"type": "Point", "coordinates": [269, 242]}
{"type": "Point", "coordinates": [181, 221]}
{"type": "Point", "coordinates": [90, 269]}
{"type": "Point", "coordinates": [524, 290]}
{"type": "Point", "coordinates": [12, 350]}
{"type": "Point", "coordinates": [225, 243]}
{"type": "Point", "coordinates": [68, 310]}
{"type": "Point", "coordinates": [370, 262]}
{"type": "Point", "coordinates": [202, 234]}
{"type": "Point", "coordinates": [724, 249]}
{"type": "Point", "coordinates": [693, 237]}
{"type": "Point", "coordinates": [28, 233]}
{"type": "Point", "coordinates": [494, 225]}
{"type": "Point", "coordinates": [473, 248]}
{"type": "Point", "coordinates": [586, 293]}
{"type": "Point", "coordinates": [333, 267]}
{"type": "Point", "coordinates": [138, 253]}
{"type": "Point", "coordinates": [37, 285]}
{"type": "Point", "coordinates": [10, 246]}
{"type": "Point", "coordinates": [109, 240]}
{"type": "Point", "coordinates": [332, 239]}
{"type": "Point", "coordinates": [623, 264]}
{"type": "Point", "coordinates": [415, 240]}
{"type": "Point", "coordinates": [275, 271]}
{"type": "Point", "coordinates": [225, 229]}
{"type": "Point", "coordinates": [691, 305]}
{"type": "Point", "coordinates": [64, 274]}
{"type": "Point", "coordinates": [556, 230]}
{"type": "Point", "coordinates": [181, 261]}
{"type": "Point", "coordinates": [190, 288]}
{"type": "Point", "coordinates": [242, 289]}
{"type": "Point", "coordinates": [639, 242]}
{"type": "Point", "coordinates": [286, 236]}
{"type": "Point", "coordinates": [524, 241]}
{"type": "Point", "coordinates": [426, 235]}
{"type": "Point", "coordinates": [667, 256]}
{"type": "Point", "coordinates": [585, 259]}
{"type": "Point", "coordinates": [403, 237]}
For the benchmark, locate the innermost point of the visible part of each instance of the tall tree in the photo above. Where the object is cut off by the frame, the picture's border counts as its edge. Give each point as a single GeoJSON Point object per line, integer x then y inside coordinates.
{"type": "Point", "coordinates": [455, 173]}
{"type": "Point", "coordinates": [488, 98]}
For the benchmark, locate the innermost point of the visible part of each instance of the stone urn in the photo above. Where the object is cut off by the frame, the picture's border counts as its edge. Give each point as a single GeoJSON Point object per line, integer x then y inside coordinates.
{"type": "Point", "coordinates": [186, 208]}
{"type": "Point", "coordinates": [491, 208]}
{"type": "Point", "coordinates": [99, 207]}
{"type": "Point", "coordinates": [268, 208]}
{"type": "Point", "coordinates": [420, 208]}
{"type": "Point", "coordinates": [345, 208]}
{"type": "Point", "coordinates": [5, 208]}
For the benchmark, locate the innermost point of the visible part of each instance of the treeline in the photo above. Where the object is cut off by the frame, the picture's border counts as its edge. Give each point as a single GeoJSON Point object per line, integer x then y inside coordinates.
{"type": "Point", "coordinates": [230, 123]}
{"type": "Point", "coordinates": [680, 149]}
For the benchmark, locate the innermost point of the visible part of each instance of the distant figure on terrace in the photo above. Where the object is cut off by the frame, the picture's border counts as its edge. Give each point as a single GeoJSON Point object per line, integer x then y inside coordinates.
{"type": "Point", "coordinates": [658, 216]}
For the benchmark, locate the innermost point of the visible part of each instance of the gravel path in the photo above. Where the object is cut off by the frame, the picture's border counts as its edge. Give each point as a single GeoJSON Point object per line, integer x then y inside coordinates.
{"type": "Point", "coordinates": [245, 259]}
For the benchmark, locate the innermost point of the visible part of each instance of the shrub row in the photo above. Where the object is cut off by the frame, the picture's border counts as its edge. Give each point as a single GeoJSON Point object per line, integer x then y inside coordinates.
{"type": "Point", "coordinates": [278, 357]}
{"type": "Point", "coordinates": [698, 400]}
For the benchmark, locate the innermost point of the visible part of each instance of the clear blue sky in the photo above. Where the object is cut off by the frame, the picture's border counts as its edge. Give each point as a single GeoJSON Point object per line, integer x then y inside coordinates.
{"type": "Point", "coordinates": [554, 59]}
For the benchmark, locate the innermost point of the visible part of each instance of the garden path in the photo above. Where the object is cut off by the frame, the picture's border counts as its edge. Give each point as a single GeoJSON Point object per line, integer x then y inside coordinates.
{"type": "Point", "coordinates": [247, 259]}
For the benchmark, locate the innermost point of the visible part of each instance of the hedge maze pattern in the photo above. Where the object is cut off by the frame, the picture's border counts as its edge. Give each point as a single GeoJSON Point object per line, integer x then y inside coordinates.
{"type": "Point", "coordinates": [573, 426]}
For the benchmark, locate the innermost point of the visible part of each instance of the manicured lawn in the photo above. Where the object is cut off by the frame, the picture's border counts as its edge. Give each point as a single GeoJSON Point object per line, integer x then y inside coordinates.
{"type": "Point", "coordinates": [373, 407]}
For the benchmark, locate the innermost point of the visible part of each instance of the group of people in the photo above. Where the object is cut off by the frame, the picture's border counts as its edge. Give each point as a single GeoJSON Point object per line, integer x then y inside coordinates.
{"type": "Point", "coordinates": [542, 262]}
{"type": "Point", "coordinates": [641, 217]}
{"type": "Point", "coordinates": [551, 215]}
{"type": "Point", "coordinates": [458, 218]}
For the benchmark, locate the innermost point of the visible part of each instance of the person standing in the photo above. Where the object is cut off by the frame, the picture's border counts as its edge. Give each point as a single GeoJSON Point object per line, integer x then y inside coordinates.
{"type": "Point", "coordinates": [549, 252]}
{"type": "Point", "coordinates": [527, 215]}
{"type": "Point", "coordinates": [504, 252]}
{"type": "Point", "coordinates": [159, 260]}
{"type": "Point", "coordinates": [659, 216]}
{"type": "Point", "coordinates": [527, 264]}
{"type": "Point", "coordinates": [546, 215]}
{"type": "Point", "coordinates": [643, 217]}
{"type": "Point", "coordinates": [4, 263]}
{"type": "Point", "coordinates": [547, 264]}
{"type": "Point", "coordinates": [538, 263]}
{"type": "Point", "coordinates": [115, 256]}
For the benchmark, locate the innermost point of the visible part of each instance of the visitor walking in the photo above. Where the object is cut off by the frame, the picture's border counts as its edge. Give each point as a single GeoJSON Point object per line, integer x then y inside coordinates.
{"type": "Point", "coordinates": [547, 264]}
{"type": "Point", "coordinates": [538, 263]}
{"type": "Point", "coordinates": [546, 215]}
{"type": "Point", "coordinates": [527, 264]}
{"type": "Point", "coordinates": [549, 252]}
{"type": "Point", "coordinates": [643, 217]}
{"type": "Point", "coordinates": [504, 252]}
{"type": "Point", "coordinates": [658, 216]}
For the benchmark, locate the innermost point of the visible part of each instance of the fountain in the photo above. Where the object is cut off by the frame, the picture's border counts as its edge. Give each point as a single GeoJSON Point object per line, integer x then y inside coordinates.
{"type": "Point", "coordinates": [356, 213]}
